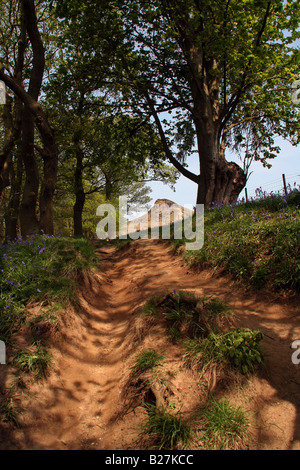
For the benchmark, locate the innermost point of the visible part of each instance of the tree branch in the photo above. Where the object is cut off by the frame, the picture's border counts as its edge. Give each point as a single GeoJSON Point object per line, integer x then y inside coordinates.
{"type": "Point", "coordinates": [38, 62]}
{"type": "Point", "coordinates": [184, 171]}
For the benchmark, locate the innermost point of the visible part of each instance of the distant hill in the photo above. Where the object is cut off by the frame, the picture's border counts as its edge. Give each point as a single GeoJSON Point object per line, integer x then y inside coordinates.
{"type": "Point", "coordinates": [163, 212]}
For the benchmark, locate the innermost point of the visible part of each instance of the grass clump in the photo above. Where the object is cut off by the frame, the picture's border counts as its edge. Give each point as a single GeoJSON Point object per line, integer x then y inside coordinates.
{"type": "Point", "coordinates": [38, 362]}
{"type": "Point", "coordinates": [150, 309]}
{"type": "Point", "coordinates": [9, 411]}
{"type": "Point", "coordinates": [187, 315]}
{"type": "Point", "coordinates": [239, 348]}
{"type": "Point", "coordinates": [224, 426]}
{"type": "Point", "coordinates": [192, 317]}
{"type": "Point", "coordinates": [167, 430]}
{"type": "Point", "coordinates": [215, 306]}
{"type": "Point", "coordinates": [147, 360]}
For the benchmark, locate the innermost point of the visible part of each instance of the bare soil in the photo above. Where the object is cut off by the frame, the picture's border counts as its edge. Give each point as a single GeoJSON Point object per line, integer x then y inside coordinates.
{"type": "Point", "coordinates": [89, 401]}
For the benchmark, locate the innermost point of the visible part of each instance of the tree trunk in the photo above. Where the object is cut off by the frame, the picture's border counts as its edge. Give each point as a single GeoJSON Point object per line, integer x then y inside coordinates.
{"type": "Point", "coordinates": [12, 211]}
{"type": "Point", "coordinates": [12, 125]}
{"type": "Point", "coordinates": [108, 188]}
{"type": "Point", "coordinates": [50, 160]}
{"type": "Point", "coordinates": [30, 99]}
{"type": "Point", "coordinates": [77, 214]}
{"type": "Point", "coordinates": [28, 216]}
{"type": "Point", "coordinates": [223, 187]}
{"type": "Point", "coordinates": [79, 196]}
{"type": "Point", "coordinates": [220, 182]}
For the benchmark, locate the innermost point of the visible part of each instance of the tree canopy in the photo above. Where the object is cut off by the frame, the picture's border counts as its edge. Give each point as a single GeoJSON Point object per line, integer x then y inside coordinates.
{"type": "Point", "coordinates": [107, 94]}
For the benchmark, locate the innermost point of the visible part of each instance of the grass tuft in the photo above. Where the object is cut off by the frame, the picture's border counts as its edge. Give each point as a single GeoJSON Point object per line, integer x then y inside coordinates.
{"type": "Point", "coordinates": [9, 411]}
{"type": "Point", "coordinates": [224, 426]}
{"type": "Point", "coordinates": [167, 430]}
{"type": "Point", "coordinates": [38, 361]}
{"type": "Point", "coordinates": [147, 360]}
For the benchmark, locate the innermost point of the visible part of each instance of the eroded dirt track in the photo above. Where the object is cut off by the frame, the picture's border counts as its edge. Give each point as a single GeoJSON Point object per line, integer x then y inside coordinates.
{"type": "Point", "coordinates": [77, 406]}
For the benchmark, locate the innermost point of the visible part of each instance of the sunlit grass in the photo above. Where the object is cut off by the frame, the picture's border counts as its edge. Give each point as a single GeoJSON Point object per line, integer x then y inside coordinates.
{"type": "Point", "coordinates": [257, 242]}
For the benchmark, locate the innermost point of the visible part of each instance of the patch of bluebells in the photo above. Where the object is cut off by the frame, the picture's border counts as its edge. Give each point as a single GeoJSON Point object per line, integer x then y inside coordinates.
{"type": "Point", "coordinates": [261, 198]}
{"type": "Point", "coordinates": [35, 268]}
{"type": "Point", "coordinates": [19, 261]}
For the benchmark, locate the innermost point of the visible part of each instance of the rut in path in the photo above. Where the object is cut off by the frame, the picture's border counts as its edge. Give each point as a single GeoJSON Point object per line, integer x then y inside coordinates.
{"type": "Point", "coordinates": [75, 408]}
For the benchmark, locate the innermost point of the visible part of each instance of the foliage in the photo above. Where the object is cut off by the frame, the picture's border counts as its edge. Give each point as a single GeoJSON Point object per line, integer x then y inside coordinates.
{"type": "Point", "coordinates": [211, 66]}
{"type": "Point", "coordinates": [104, 150]}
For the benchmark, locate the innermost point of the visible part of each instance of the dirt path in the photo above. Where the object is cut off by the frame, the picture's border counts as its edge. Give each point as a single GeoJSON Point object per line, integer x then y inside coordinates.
{"type": "Point", "coordinates": [75, 408]}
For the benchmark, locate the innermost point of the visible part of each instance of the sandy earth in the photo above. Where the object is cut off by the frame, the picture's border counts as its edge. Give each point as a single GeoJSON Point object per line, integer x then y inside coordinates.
{"type": "Point", "coordinates": [82, 404]}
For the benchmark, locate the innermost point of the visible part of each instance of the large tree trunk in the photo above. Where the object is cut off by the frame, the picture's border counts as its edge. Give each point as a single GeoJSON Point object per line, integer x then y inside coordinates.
{"type": "Point", "coordinates": [28, 218]}
{"type": "Point", "coordinates": [219, 181]}
{"type": "Point", "coordinates": [222, 184]}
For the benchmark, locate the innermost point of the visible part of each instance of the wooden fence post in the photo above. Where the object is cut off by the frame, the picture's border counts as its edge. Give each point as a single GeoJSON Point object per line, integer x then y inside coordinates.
{"type": "Point", "coordinates": [284, 184]}
{"type": "Point", "coordinates": [246, 194]}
